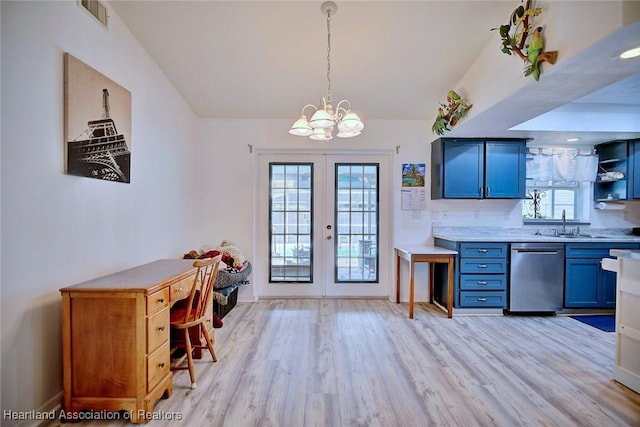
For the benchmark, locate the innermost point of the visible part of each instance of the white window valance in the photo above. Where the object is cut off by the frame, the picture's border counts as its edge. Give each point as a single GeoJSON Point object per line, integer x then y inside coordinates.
{"type": "Point", "coordinates": [552, 165]}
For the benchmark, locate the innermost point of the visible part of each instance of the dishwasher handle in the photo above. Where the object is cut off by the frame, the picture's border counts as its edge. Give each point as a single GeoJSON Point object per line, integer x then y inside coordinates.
{"type": "Point", "coordinates": [539, 251]}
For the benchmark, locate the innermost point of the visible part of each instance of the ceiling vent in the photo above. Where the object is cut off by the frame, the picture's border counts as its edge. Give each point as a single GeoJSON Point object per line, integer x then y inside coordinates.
{"type": "Point", "coordinates": [96, 9]}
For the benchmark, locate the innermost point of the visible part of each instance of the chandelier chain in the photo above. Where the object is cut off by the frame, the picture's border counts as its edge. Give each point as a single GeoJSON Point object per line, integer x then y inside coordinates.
{"type": "Point", "coordinates": [329, 56]}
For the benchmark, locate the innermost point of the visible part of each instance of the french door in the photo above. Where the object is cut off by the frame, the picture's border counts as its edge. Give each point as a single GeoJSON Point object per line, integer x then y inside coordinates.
{"type": "Point", "coordinates": [322, 225]}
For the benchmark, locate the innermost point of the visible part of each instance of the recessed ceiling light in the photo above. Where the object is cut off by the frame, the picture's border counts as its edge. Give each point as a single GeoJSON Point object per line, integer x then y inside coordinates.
{"type": "Point", "coordinates": [573, 139]}
{"type": "Point", "coordinates": [634, 52]}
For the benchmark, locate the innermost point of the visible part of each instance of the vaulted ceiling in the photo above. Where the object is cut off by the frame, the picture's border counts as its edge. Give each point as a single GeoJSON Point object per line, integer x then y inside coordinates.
{"type": "Point", "coordinates": [393, 60]}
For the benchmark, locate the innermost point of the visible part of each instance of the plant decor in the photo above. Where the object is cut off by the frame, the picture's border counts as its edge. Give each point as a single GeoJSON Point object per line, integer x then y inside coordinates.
{"type": "Point", "coordinates": [521, 37]}
{"type": "Point", "coordinates": [450, 113]}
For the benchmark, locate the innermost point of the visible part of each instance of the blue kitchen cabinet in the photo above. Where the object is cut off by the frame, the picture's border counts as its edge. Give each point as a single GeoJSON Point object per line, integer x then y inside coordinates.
{"type": "Point", "coordinates": [463, 169]}
{"type": "Point", "coordinates": [583, 283]}
{"type": "Point", "coordinates": [615, 162]}
{"type": "Point", "coordinates": [505, 169]}
{"type": "Point", "coordinates": [634, 165]}
{"type": "Point", "coordinates": [478, 168]}
{"type": "Point", "coordinates": [587, 284]}
{"type": "Point", "coordinates": [482, 278]}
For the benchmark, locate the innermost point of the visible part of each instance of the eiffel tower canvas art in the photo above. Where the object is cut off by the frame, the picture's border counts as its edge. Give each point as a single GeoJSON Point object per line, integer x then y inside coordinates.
{"type": "Point", "coordinates": [97, 124]}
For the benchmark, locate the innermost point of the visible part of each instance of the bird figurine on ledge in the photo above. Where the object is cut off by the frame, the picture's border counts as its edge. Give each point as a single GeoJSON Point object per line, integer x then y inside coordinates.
{"type": "Point", "coordinates": [449, 114]}
{"type": "Point", "coordinates": [517, 42]}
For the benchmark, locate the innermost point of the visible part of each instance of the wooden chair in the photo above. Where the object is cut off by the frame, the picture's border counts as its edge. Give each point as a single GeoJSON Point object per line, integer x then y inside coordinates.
{"type": "Point", "coordinates": [192, 314]}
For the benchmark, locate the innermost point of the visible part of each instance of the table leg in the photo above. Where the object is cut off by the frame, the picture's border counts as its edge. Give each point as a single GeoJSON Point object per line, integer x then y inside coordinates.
{"type": "Point", "coordinates": [431, 280]}
{"type": "Point", "coordinates": [411, 288]}
{"type": "Point", "coordinates": [450, 287]}
{"type": "Point", "coordinates": [397, 276]}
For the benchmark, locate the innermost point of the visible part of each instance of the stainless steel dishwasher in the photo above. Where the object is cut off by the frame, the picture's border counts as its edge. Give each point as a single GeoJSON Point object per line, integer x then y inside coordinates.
{"type": "Point", "coordinates": [536, 282]}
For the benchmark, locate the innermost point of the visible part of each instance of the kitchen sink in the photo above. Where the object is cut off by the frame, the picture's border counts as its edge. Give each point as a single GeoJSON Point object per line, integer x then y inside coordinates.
{"type": "Point", "coordinates": [571, 236]}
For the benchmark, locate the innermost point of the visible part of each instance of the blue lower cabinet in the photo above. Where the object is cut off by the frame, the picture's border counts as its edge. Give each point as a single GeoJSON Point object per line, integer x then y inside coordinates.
{"type": "Point", "coordinates": [479, 282]}
{"type": "Point", "coordinates": [587, 285]}
{"type": "Point", "coordinates": [483, 265]}
{"type": "Point", "coordinates": [495, 299]}
{"type": "Point", "coordinates": [482, 279]}
{"type": "Point", "coordinates": [582, 285]}
{"type": "Point", "coordinates": [608, 293]}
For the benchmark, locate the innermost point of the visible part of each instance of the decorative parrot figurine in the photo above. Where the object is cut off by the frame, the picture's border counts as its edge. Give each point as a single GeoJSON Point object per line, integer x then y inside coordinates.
{"type": "Point", "coordinates": [533, 52]}
{"type": "Point", "coordinates": [520, 33]}
{"type": "Point", "coordinates": [456, 108]}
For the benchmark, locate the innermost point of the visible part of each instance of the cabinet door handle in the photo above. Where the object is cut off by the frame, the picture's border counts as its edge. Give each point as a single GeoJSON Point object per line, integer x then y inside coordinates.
{"type": "Point", "coordinates": [482, 299]}
{"type": "Point", "coordinates": [483, 251]}
{"type": "Point", "coordinates": [482, 266]}
{"type": "Point", "coordinates": [481, 191]}
{"type": "Point", "coordinates": [482, 282]}
{"type": "Point", "coordinates": [486, 191]}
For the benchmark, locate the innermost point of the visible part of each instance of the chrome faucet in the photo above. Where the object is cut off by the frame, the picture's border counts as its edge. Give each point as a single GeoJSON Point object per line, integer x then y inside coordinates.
{"type": "Point", "coordinates": [564, 222]}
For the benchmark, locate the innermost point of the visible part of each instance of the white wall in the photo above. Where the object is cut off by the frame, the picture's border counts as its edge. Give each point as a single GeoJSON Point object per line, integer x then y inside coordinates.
{"type": "Point", "coordinates": [58, 229]}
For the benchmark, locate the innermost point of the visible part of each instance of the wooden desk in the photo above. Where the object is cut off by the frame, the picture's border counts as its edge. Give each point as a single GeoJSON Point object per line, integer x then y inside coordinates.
{"type": "Point", "coordinates": [432, 255]}
{"type": "Point", "coordinates": [115, 338]}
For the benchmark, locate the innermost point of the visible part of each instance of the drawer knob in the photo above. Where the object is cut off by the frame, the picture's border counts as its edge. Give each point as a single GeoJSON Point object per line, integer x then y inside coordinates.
{"type": "Point", "coordinates": [161, 365]}
{"type": "Point", "coordinates": [161, 328]}
{"type": "Point", "coordinates": [482, 299]}
{"type": "Point", "coordinates": [160, 300]}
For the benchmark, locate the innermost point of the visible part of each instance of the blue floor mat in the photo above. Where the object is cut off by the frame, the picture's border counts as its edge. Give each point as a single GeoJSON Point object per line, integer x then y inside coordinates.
{"type": "Point", "coordinates": [605, 323]}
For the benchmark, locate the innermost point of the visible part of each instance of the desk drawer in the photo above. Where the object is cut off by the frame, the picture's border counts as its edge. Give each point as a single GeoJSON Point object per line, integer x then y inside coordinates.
{"type": "Point", "coordinates": [157, 365]}
{"type": "Point", "coordinates": [157, 330]}
{"type": "Point", "coordinates": [496, 299]}
{"type": "Point", "coordinates": [157, 301]}
{"type": "Point", "coordinates": [483, 282]}
{"type": "Point", "coordinates": [180, 290]}
{"type": "Point", "coordinates": [483, 265]}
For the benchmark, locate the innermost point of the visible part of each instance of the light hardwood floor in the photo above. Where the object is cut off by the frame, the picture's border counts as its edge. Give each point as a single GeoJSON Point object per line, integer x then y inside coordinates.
{"type": "Point", "coordinates": [347, 362]}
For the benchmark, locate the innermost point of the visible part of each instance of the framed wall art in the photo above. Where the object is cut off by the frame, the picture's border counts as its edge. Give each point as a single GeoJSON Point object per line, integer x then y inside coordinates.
{"type": "Point", "coordinates": [413, 186]}
{"type": "Point", "coordinates": [97, 114]}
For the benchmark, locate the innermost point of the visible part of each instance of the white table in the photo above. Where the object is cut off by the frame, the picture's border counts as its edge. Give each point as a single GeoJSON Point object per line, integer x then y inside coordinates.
{"type": "Point", "coordinates": [432, 255]}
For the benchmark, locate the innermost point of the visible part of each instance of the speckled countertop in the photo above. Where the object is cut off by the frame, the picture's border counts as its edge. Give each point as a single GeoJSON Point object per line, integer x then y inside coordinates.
{"type": "Point", "coordinates": [499, 234]}
{"type": "Point", "coordinates": [625, 253]}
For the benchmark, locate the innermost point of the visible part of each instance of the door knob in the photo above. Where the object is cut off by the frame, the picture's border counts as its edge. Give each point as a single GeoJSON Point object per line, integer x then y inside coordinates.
{"type": "Point", "coordinates": [329, 237]}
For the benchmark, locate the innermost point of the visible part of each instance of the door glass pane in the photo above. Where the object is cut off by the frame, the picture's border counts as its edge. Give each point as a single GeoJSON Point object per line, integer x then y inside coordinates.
{"type": "Point", "coordinates": [290, 222]}
{"type": "Point", "coordinates": [356, 219]}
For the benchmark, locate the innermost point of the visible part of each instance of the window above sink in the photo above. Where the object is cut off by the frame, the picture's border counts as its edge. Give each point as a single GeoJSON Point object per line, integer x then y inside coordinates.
{"type": "Point", "coordinates": [559, 180]}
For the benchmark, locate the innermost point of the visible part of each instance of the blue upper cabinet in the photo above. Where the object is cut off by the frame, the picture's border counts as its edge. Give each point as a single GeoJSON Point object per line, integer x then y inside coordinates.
{"type": "Point", "coordinates": [634, 166]}
{"type": "Point", "coordinates": [505, 169]}
{"type": "Point", "coordinates": [615, 166]}
{"type": "Point", "coordinates": [478, 168]}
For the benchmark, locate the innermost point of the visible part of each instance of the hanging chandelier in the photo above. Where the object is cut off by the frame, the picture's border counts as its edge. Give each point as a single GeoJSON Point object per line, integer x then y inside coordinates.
{"type": "Point", "coordinates": [324, 119]}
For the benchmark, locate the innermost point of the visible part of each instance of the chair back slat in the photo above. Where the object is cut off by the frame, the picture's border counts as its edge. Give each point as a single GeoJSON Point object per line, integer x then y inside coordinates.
{"type": "Point", "coordinates": [202, 288]}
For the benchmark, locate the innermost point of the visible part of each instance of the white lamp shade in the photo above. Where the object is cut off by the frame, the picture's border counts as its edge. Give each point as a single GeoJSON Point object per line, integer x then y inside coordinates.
{"type": "Point", "coordinates": [347, 134]}
{"type": "Point", "coordinates": [301, 127]}
{"type": "Point", "coordinates": [320, 134]}
{"type": "Point", "coordinates": [321, 119]}
{"type": "Point", "coordinates": [351, 123]}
